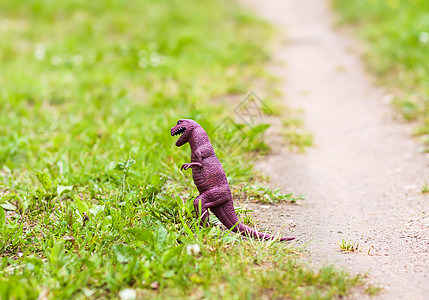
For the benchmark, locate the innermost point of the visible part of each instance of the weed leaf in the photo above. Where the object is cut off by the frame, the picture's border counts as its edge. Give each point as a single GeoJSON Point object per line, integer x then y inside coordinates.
{"type": "Point", "coordinates": [122, 253]}
{"type": "Point", "coordinates": [96, 209]}
{"type": "Point", "coordinates": [187, 229]}
{"type": "Point", "coordinates": [2, 217]}
{"type": "Point", "coordinates": [45, 180]}
{"type": "Point", "coordinates": [8, 206]}
{"type": "Point", "coordinates": [141, 234]}
{"type": "Point", "coordinates": [62, 189]}
{"type": "Point", "coordinates": [40, 193]}
{"type": "Point", "coordinates": [171, 255]}
{"type": "Point", "coordinates": [81, 206]}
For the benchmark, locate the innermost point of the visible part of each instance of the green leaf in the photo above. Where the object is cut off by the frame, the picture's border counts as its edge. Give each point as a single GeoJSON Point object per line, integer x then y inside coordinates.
{"type": "Point", "coordinates": [161, 234]}
{"type": "Point", "coordinates": [260, 128]}
{"type": "Point", "coordinates": [197, 279]}
{"type": "Point", "coordinates": [155, 180]}
{"type": "Point", "coordinates": [63, 189]}
{"type": "Point", "coordinates": [141, 234]}
{"type": "Point", "coordinates": [45, 180]}
{"type": "Point", "coordinates": [2, 217]}
{"type": "Point", "coordinates": [187, 229]}
{"type": "Point", "coordinates": [168, 274]}
{"type": "Point", "coordinates": [116, 216]}
{"type": "Point", "coordinates": [107, 221]}
{"type": "Point", "coordinates": [172, 255]}
{"type": "Point", "coordinates": [120, 166]}
{"type": "Point", "coordinates": [122, 253]}
{"type": "Point", "coordinates": [97, 209]}
{"type": "Point", "coordinates": [8, 206]}
{"type": "Point", "coordinates": [81, 206]}
{"type": "Point", "coordinates": [40, 193]}
{"type": "Point", "coordinates": [129, 163]}
{"type": "Point", "coordinates": [89, 263]}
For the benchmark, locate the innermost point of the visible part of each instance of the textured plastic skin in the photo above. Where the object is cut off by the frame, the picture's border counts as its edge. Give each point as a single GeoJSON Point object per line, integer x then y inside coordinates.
{"type": "Point", "coordinates": [211, 181]}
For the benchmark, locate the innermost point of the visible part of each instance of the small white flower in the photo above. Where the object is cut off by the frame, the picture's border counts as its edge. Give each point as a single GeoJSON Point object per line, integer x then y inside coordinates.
{"type": "Point", "coordinates": [127, 294]}
{"type": "Point", "coordinates": [424, 37]}
{"type": "Point", "coordinates": [193, 249]}
{"type": "Point", "coordinates": [56, 60]}
{"type": "Point", "coordinates": [156, 59]}
{"type": "Point", "coordinates": [39, 52]}
{"type": "Point", "coordinates": [143, 63]}
{"type": "Point", "coordinates": [78, 59]}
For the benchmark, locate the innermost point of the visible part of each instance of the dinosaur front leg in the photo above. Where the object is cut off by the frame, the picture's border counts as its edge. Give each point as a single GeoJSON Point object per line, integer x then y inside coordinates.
{"type": "Point", "coordinates": [190, 165]}
{"type": "Point", "coordinates": [196, 161]}
{"type": "Point", "coordinates": [201, 210]}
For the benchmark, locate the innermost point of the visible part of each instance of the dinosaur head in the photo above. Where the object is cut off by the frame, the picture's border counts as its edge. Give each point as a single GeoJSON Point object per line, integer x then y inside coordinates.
{"type": "Point", "coordinates": [183, 128]}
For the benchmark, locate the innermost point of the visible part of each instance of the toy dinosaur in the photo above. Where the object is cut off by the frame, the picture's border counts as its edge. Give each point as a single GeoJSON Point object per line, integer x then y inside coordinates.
{"type": "Point", "coordinates": [211, 181]}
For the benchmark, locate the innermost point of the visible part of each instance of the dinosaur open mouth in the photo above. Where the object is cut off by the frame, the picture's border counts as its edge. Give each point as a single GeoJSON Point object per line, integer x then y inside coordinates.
{"type": "Point", "coordinates": [178, 131]}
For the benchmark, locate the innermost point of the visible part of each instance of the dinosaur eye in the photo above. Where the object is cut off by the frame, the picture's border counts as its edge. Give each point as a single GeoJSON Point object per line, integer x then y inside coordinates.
{"type": "Point", "coordinates": [178, 122]}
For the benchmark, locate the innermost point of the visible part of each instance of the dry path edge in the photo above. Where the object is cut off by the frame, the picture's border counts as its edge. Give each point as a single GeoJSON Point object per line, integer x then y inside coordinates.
{"type": "Point", "coordinates": [363, 177]}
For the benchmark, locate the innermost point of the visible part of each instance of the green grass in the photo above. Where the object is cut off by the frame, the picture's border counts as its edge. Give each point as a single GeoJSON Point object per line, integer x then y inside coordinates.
{"type": "Point", "coordinates": [425, 188]}
{"type": "Point", "coordinates": [93, 201]}
{"type": "Point", "coordinates": [397, 38]}
{"type": "Point", "coordinates": [373, 290]}
{"type": "Point", "coordinates": [298, 139]}
{"type": "Point", "coordinates": [259, 193]}
{"type": "Point", "coordinates": [348, 246]}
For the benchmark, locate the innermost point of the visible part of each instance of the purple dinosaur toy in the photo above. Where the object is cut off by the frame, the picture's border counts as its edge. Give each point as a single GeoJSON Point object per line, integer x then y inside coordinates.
{"type": "Point", "coordinates": [210, 179]}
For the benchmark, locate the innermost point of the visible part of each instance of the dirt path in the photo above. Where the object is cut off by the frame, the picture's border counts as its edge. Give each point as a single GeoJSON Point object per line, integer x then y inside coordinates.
{"type": "Point", "coordinates": [363, 178]}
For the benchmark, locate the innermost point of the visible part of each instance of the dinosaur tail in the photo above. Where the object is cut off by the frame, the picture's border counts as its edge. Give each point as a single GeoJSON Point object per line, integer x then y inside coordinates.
{"type": "Point", "coordinates": [226, 214]}
{"type": "Point", "coordinates": [247, 231]}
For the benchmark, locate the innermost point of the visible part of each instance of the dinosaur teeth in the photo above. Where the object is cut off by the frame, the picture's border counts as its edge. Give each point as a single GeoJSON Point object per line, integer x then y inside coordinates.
{"type": "Point", "coordinates": [179, 131]}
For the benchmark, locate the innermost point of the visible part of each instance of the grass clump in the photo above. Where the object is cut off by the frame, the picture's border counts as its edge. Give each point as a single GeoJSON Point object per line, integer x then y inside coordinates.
{"type": "Point", "coordinates": [397, 49]}
{"type": "Point", "coordinates": [373, 290]}
{"type": "Point", "coordinates": [259, 193]}
{"type": "Point", "coordinates": [297, 138]}
{"type": "Point", "coordinates": [93, 202]}
{"type": "Point", "coordinates": [348, 246]}
{"type": "Point", "coordinates": [425, 188]}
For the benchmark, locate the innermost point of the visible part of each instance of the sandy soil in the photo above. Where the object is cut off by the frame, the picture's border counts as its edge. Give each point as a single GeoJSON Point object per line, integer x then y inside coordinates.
{"type": "Point", "coordinates": [363, 178]}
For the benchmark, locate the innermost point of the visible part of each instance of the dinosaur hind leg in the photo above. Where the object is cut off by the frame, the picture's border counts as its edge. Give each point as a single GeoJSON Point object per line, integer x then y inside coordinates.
{"type": "Point", "coordinates": [201, 210]}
